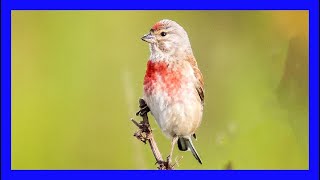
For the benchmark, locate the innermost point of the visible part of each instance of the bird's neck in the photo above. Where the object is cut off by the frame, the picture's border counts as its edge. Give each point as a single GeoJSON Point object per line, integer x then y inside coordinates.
{"type": "Point", "coordinates": [157, 55]}
{"type": "Point", "coordinates": [177, 54]}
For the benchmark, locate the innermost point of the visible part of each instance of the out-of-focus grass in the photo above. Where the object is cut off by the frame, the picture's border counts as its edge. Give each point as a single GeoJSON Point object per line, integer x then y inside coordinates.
{"type": "Point", "coordinates": [77, 77]}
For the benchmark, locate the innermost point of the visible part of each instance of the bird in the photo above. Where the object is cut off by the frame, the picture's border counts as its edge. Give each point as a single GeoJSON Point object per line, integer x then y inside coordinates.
{"type": "Point", "coordinates": [173, 86]}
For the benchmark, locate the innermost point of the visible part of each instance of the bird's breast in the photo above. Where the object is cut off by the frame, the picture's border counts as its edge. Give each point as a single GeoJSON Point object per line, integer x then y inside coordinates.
{"type": "Point", "coordinates": [171, 96]}
{"type": "Point", "coordinates": [162, 76]}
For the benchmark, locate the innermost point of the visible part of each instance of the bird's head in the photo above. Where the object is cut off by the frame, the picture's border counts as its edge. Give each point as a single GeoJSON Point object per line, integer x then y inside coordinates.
{"type": "Point", "coordinates": [167, 39]}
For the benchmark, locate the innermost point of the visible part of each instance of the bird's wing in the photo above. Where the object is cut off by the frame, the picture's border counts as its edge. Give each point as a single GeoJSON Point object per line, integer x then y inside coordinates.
{"type": "Point", "coordinates": [199, 85]}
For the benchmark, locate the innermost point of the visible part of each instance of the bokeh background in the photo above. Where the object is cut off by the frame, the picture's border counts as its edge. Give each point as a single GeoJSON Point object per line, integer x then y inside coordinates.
{"type": "Point", "coordinates": [77, 77]}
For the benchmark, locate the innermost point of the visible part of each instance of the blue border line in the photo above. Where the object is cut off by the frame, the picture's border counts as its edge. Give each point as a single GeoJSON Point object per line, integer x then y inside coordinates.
{"type": "Point", "coordinates": [5, 90]}
{"type": "Point", "coordinates": [314, 90]}
{"type": "Point", "coordinates": [161, 5]}
{"type": "Point", "coordinates": [7, 6]}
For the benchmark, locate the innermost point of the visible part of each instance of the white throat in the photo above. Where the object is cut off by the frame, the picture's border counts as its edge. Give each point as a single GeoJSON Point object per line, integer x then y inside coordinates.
{"type": "Point", "coordinates": [179, 53]}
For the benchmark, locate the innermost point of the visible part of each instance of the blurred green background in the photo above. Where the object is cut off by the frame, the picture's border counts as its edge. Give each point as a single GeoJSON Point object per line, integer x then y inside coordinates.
{"type": "Point", "coordinates": [77, 77]}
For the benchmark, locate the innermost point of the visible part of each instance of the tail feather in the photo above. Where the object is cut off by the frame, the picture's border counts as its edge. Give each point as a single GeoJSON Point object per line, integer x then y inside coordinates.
{"type": "Point", "coordinates": [182, 144]}
{"type": "Point", "coordinates": [185, 144]}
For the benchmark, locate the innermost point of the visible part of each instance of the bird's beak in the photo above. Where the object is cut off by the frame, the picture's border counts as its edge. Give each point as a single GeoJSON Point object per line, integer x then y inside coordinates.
{"type": "Point", "coordinates": [149, 38]}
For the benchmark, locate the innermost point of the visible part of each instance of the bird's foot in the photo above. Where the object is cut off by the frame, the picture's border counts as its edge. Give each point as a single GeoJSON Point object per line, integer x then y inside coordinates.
{"type": "Point", "coordinates": [164, 165]}
{"type": "Point", "coordinates": [169, 159]}
{"type": "Point", "coordinates": [144, 109]}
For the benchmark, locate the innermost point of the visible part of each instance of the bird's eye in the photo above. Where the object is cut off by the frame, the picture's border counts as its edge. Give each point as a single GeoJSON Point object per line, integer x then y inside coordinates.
{"type": "Point", "coordinates": [163, 33]}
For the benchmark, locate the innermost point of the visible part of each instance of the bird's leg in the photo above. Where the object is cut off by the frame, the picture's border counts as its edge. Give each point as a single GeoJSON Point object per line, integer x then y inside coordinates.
{"type": "Point", "coordinates": [173, 143]}
{"type": "Point", "coordinates": [144, 109]}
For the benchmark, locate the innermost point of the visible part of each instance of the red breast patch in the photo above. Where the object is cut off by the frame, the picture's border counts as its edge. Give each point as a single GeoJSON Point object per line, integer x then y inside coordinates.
{"type": "Point", "coordinates": [160, 75]}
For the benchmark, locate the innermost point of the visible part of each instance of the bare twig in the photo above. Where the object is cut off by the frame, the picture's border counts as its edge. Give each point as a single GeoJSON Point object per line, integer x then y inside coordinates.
{"type": "Point", "coordinates": [177, 160]}
{"type": "Point", "coordinates": [145, 135]}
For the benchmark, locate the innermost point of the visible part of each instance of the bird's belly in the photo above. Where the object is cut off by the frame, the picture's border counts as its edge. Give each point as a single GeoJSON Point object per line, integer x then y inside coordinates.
{"type": "Point", "coordinates": [177, 112]}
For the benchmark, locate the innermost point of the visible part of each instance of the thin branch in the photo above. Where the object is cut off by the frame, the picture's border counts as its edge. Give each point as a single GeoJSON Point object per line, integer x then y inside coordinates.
{"type": "Point", "coordinates": [145, 135]}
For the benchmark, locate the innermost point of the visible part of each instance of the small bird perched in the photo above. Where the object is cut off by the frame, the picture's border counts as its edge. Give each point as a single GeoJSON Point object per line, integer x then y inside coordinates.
{"type": "Point", "coordinates": [173, 85]}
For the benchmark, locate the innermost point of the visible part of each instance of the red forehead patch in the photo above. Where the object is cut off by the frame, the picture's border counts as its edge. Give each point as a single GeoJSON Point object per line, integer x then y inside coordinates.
{"type": "Point", "coordinates": [156, 26]}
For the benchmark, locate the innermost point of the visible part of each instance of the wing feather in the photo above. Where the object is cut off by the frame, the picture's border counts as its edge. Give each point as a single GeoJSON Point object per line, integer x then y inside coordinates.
{"type": "Point", "coordinates": [199, 85]}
